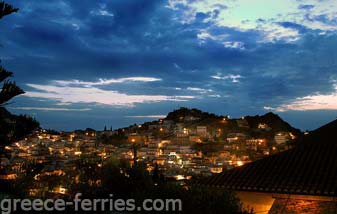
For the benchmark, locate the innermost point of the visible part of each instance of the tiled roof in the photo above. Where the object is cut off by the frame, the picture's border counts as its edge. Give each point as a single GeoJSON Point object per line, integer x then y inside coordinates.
{"type": "Point", "coordinates": [309, 169]}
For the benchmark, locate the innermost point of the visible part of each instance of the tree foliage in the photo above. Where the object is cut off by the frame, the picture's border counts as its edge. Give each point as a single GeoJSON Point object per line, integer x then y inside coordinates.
{"type": "Point", "coordinates": [12, 127]}
{"type": "Point", "coordinates": [123, 181]}
{"type": "Point", "coordinates": [6, 9]}
{"type": "Point", "coordinates": [9, 88]}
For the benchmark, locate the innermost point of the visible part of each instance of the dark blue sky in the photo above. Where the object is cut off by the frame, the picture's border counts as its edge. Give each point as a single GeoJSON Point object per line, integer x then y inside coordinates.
{"type": "Point", "coordinates": [95, 63]}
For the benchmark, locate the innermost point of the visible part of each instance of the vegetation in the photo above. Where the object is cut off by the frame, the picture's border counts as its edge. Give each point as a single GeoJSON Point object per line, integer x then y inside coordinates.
{"type": "Point", "coordinates": [274, 121]}
{"type": "Point", "coordinates": [9, 88]}
{"type": "Point", "coordinates": [179, 114]}
{"type": "Point", "coordinates": [6, 9]}
{"type": "Point", "coordinates": [123, 181]}
{"type": "Point", "coordinates": [126, 182]}
{"type": "Point", "coordinates": [11, 127]}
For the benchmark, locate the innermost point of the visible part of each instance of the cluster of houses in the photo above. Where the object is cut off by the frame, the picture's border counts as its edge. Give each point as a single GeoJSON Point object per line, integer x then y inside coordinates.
{"type": "Point", "coordinates": [176, 148]}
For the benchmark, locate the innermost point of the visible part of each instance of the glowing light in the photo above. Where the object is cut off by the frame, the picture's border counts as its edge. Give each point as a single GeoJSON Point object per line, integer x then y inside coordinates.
{"type": "Point", "coordinates": [179, 177]}
{"type": "Point", "coordinates": [293, 137]}
{"type": "Point", "coordinates": [61, 190]}
{"type": "Point", "coordinates": [239, 163]}
{"type": "Point", "coordinates": [185, 131]}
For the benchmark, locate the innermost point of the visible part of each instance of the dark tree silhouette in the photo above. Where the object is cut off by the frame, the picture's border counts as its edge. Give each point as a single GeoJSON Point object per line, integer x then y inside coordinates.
{"type": "Point", "coordinates": [8, 91]}
{"type": "Point", "coordinates": [12, 127]}
{"type": "Point", "coordinates": [123, 181]}
{"type": "Point", "coordinates": [6, 9]}
{"type": "Point", "coordinates": [9, 88]}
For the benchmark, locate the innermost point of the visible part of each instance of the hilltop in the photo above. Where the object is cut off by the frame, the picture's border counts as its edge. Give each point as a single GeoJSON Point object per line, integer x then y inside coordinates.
{"type": "Point", "coordinates": [218, 127]}
{"type": "Point", "coordinates": [267, 122]}
{"type": "Point", "coordinates": [193, 114]}
{"type": "Point", "coordinates": [272, 120]}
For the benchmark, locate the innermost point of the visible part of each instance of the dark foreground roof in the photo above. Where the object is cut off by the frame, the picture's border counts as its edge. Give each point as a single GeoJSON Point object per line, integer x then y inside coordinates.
{"type": "Point", "coordinates": [309, 169]}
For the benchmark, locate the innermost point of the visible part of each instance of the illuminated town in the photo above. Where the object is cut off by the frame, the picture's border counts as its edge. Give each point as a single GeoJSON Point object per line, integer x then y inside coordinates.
{"type": "Point", "coordinates": [183, 145]}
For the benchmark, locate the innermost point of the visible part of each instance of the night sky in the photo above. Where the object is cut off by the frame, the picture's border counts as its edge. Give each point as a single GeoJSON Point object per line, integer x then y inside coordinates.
{"type": "Point", "coordinates": [94, 63]}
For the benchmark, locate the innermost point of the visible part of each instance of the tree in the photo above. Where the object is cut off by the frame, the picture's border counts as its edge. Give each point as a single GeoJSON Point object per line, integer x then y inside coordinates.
{"type": "Point", "coordinates": [6, 9]}
{"type": "Point", "coordinates": [9, 88]}
{"type": "Point", "coordinates": [12, 127]}
{"type": "Point", "coordinates": [123, 181]}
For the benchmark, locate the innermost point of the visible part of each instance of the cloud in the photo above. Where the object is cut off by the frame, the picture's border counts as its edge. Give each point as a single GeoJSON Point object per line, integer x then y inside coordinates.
{"type": "Point", "coordinates": [288, 54]}
{"type": "Point", "coordinates": [75, 94]}
{"type": "Point", "coordinates": [204, 35]}
{"type": "Point", "coordinates": [306, 6]}
{"type": "Point", "coordinates": [177, 66]}
{"type": "Point", "coordinates": [102, 11]}
{"type": "Point", "coordinates": [200, 90]}
{"type": "Point", "coordinates": [311, 102]}
{"type": "Point", "coordinates": [50, 109]}
{"type": "Point", "coordinates": [234, 45]}
{"type": "Point", "coordinates": [260, 15]}
{"type": "Point", "coordinates": [147, 116]}
{"type": "Point", "coordinates": [235, 78]}
{"type": "Point", "coordinates": [276, 32]}
{"type": "Point", "coordinates": [215, 95]}
{"type": "Point", "coordinates": [63, 104]}
{"type": "Point", "coordinates": [101, 82]}
{"type": "Point", "coordinates": [269, 108]}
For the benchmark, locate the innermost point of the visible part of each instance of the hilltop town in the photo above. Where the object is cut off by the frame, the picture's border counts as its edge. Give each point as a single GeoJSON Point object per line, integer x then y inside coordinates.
{"type": "Point", "coordinates": [187, 144]}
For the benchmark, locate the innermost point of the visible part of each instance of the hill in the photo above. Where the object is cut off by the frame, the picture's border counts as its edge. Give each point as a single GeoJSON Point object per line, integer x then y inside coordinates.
{"type": "Point", "coordinates": [275, 122]}
{"type": "Point", "coordinates": [193, 114]}
{"type": "Point", "coordinates": [218, 125]}
{"type": "Point", "coordinates": [324, 136]}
